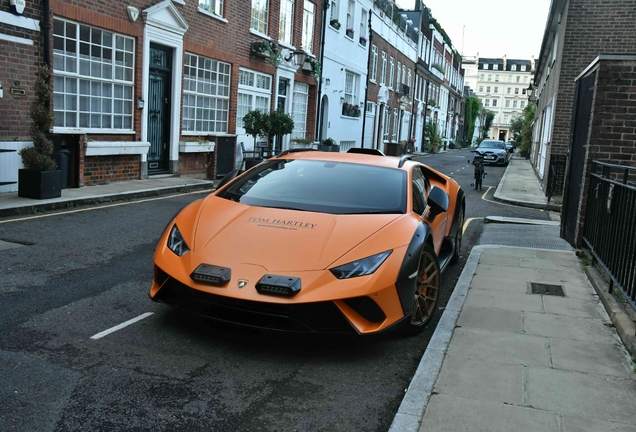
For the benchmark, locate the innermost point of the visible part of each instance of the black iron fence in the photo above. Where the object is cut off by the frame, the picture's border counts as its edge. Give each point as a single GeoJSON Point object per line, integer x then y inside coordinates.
{"type": "Point", "coordinates": [609, 230]}
{"type": "Point", "coordinates": [556, 176]}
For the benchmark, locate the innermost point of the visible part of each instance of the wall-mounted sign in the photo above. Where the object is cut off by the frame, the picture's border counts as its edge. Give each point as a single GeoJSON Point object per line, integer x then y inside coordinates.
{"type": "Point", "coordinates": [17, 6]}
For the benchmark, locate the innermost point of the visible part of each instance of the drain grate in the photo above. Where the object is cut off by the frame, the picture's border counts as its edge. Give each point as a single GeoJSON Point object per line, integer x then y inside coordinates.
{"type": "Point", "coordinates": [546, 289]}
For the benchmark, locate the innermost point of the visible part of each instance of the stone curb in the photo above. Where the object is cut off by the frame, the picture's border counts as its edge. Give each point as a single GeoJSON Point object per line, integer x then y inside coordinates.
{"type": "Point", "coordinates": [62, 203]}
{"type": "Point", "coordinates": [623, 323]}
{"type": "Point", "coordinates": [409, 415]}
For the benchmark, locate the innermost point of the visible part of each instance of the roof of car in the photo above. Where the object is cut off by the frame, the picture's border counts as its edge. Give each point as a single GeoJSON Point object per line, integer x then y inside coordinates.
{"type": "Point", "coordinates": [365, 159]}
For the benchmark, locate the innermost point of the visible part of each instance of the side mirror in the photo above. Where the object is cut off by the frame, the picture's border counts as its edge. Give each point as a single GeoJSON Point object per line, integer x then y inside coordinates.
{"type": "Point", "coordinates": [437, 201]}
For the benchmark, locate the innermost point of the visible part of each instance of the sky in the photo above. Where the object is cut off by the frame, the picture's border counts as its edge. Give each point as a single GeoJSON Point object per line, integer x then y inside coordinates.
{"type": "Point", "coordinates": [492, 28]}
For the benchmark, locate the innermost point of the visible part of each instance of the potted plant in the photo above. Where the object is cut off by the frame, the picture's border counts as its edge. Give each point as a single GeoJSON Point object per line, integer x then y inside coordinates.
{"type": "Point", "coordinates": [335, 24]}
{"type": "Point", "coordinates": [40, 179]}
{"type": "Point", "coordinates": [363, 41]}
{"type": "Point", "coordinates": [277, 124]}
{"type": "Point", "coordinates": [312, 65]}
{"type": "Point", "coordinates": [349, 33]}
{"type": "Point", "coordinates": [328, 145]}
{"type": "Point", "coordinates": [433, 136]}
{"type": "Point", "coordinates": [267, 50]}
{"type": "Point", "coordinates": [254, 123]}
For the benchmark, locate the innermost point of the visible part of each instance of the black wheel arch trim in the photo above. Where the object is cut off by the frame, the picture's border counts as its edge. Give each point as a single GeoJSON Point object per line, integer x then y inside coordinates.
{"type": "Point", "coordinates": [460, 200]}
{"type": "Point", "coordinates": [405, 284]}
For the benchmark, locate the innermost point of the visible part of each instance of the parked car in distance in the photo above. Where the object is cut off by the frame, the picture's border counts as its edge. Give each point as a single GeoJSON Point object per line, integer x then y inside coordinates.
{"type": "Point", "coordinates": [494, 152]}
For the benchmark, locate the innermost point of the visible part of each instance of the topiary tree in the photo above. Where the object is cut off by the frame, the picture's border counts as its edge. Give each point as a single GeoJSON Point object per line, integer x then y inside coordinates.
{"type": "Point", "coordinates": [277, 124]}
{"type": "Point", "coordinates": [39, 157]}
{"type": "Point", "coordinates": [489, 117]}
{"type": "Point", "coordinates": [254, 123]}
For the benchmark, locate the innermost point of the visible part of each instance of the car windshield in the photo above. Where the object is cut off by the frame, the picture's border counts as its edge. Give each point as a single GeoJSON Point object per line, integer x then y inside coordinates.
{"type": "Point", "coordinates": [319, 186]}
{"type": "Point", "coordinates": [492, 144]}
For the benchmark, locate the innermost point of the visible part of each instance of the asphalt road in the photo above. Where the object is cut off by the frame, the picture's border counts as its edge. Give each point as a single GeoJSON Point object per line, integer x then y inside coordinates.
{"type": "Point", "coordinates": [83, 271]}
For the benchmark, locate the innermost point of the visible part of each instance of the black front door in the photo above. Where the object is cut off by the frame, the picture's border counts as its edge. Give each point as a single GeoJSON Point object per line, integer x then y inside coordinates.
{"type": "Point", "coordinates": [581, 125]}
{"type": "Point", "coordinates": [158, 107]}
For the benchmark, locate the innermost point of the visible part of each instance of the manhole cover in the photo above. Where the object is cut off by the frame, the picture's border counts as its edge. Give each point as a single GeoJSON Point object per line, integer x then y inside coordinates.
{"type": "Point", "coordinates": [546, 289]}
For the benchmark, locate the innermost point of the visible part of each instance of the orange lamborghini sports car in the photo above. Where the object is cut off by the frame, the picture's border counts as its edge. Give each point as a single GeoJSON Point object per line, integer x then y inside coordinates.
{"type": "Point", "coordinates": [313, 241]}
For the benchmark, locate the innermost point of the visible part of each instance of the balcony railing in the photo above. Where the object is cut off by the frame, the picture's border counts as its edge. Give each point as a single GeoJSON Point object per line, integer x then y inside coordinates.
{"type": "Point", "coordinates": [609, 230]}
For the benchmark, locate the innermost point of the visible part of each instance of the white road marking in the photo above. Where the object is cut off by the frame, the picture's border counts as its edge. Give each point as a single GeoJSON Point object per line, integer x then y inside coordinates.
{"type": "Point", "coordinates": [121, 326]}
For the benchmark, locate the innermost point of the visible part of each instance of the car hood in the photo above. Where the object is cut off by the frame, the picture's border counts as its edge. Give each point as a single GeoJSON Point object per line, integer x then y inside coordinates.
{"type": "Point", "coordinates": [229, 233]}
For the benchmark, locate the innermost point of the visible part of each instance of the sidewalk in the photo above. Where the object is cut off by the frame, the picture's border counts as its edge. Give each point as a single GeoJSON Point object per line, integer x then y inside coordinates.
{"type": "Point", "coordinates": [506, 359]}
{"type": "Point", "coordinates": [12, 204]}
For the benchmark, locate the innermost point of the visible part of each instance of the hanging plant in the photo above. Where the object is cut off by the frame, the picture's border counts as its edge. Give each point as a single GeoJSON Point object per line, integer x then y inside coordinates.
{"type": "Point", "coordinates": [268, 50]}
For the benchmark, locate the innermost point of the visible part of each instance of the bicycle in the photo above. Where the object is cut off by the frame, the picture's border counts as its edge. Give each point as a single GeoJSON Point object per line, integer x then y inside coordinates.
{"type": "Point", "coordinates": [478, 163]}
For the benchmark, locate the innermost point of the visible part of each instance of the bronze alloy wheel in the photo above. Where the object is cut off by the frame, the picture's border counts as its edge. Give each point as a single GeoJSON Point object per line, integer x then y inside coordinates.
{"type": "Point", "coordinates": [458, 238]}
{"type": "Point", "coordinates": [427, 289]}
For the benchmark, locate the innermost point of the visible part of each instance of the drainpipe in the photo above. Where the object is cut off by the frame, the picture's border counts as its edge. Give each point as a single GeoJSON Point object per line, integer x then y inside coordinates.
{"type": "Point", "coordinates": [318, 134]}
{"type": "Point", "coordinates": [366, 88]}
{"type": "Point", "coordinates": [46, 31]}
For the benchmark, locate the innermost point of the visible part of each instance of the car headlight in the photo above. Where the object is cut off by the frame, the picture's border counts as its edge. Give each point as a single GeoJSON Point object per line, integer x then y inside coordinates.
{"type": "Point", "coordinates": [176, 243]}
{"type": "Point", "coordinates": [363, 267]}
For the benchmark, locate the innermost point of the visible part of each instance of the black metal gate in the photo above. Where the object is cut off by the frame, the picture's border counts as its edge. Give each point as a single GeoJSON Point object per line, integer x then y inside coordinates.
{"type": "Point", "coordinates": [158, 108]}
{"type": "Point", "coordinates": [580, 127]}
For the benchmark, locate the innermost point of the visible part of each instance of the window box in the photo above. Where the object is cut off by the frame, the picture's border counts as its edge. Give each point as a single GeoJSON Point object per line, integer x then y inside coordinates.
{"type": "Point", "coordinates": [267, 50]}
{"type": "Point", "coordinates": [349, 33]}
{"type": "Point", "coordinates": [350, 110]}
{"type": "Point", "coordinates": [335, 24]}
{"type": "Point", "coordinates": [363, 41]}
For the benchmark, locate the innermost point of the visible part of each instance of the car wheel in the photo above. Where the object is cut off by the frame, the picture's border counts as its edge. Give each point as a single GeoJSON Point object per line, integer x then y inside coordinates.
{"type": "Point", "coordinates": [458, 238]}
{"type": "Point", "coordinates": [426, 290]}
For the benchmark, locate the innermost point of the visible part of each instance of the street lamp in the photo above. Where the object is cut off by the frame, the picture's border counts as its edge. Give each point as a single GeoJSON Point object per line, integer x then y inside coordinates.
{"type": "Point", "coordinates": [532, 97]}
{"type": "Point", "coordinates": [298, 57]}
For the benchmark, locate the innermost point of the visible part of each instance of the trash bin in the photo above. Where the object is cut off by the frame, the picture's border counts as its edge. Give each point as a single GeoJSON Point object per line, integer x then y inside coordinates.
{"type": "Point", "coordinates": [65, 155]}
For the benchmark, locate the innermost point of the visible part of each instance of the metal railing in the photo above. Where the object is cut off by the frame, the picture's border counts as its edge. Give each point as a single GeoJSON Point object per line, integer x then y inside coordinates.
{"type": "Point", "coordinates": [609, 230]}
{"type": "Point", "coordinates": [556, 175]}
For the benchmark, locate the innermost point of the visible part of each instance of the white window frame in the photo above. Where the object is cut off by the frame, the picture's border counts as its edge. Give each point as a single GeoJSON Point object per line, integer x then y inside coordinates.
{"type": "Point", "coordinates": [286, 23]}
{"type": "Point", "coordinates": [351, 87]}
{"type": "Point", "coordinates": [74, 71]}
{"type": "Point", "coordinates": [206, 91]}
{"type": "Point", "coordinates": [260, 15]}
{"type": "Point", "coordinates": [383, 71]}
{"type": "Point", "coordinates": [396, 125]}
{"type": "Point", "coordinates": [363, 24]}
{"type": "Point", "coordinates": [513, 67]}
{"type": "Point", "coordinates": [334, 8]}
{"type": "Point", "coordinates": [487, 103]}
{"type": "Point", "coordinates": [351, 12]}
{"type": "Point", "coordinates": [254, 88]}
{"type": "Point", "coordinates": [214, 7]}
{"type": "Point", "coordinates": [399, 75]}
{"type": "Point", "coordinates": [391, 72]}
{"type": "Point", "coordinates": [374, 63]}
{"type": "Point", "coordinates": [387, 123]}
{"type": "Point", "coordinates": [300, 102]}
{"type": "Point", "coordinates": [309, 20]}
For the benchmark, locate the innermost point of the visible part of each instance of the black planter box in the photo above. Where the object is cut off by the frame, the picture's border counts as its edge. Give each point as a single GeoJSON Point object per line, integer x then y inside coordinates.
{"type": "Point", "coordinates": [39, 184]}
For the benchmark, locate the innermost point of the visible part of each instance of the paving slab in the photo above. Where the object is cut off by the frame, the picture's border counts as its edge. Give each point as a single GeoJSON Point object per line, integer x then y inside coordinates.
{"type": "Point", "coordinates": [594, 358]}
{"type": "Point", "coordinates": [567, 327]}
{"type": "Point", "coordinates": [588, 308]}
{"type": "Point", "coordinates": [581, 394]}
{"type": "Point", "coordinates": [454, 414]}
{"type": "Point", "coordinates": [586, 424]}
{"type": "Point", "coordinates": [510, 301]}
{"type": "Point", "coordinates": [514, 282]}
{"type": "Point", "coordinates": [481, 380]}
{"type": "Point", "coordinates": [506, 260]}
{"type": "Point", "coordinates": [502, 347]}
{"type": "Point", "coordinates": [490, 318]}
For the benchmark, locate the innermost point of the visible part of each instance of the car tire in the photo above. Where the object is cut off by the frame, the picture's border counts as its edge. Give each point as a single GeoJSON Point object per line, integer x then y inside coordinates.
{"type": "Point", "coordinates": [458, 238]}
{"type": "Point", "coordinates": [426, 291]}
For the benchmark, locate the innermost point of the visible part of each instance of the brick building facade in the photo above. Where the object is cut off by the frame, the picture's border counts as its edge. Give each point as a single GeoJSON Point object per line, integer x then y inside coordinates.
{"type": "Point", "coordinates": [157, 87]}
{"type": "Point", "coordinates": [577, 31]}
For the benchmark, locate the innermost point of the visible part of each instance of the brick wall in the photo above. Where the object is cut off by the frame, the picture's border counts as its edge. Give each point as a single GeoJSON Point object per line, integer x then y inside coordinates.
{"type": "Point", "coordinates": [109, 169]}
{"type": "Point", "coordinates": [590, 28]}
{"type": "Point", "coordinates": [612, 136]}
{"type": "Point", "coordinates": [18, 67]}
{"type": "Point", "coordinates": [195, 164]}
